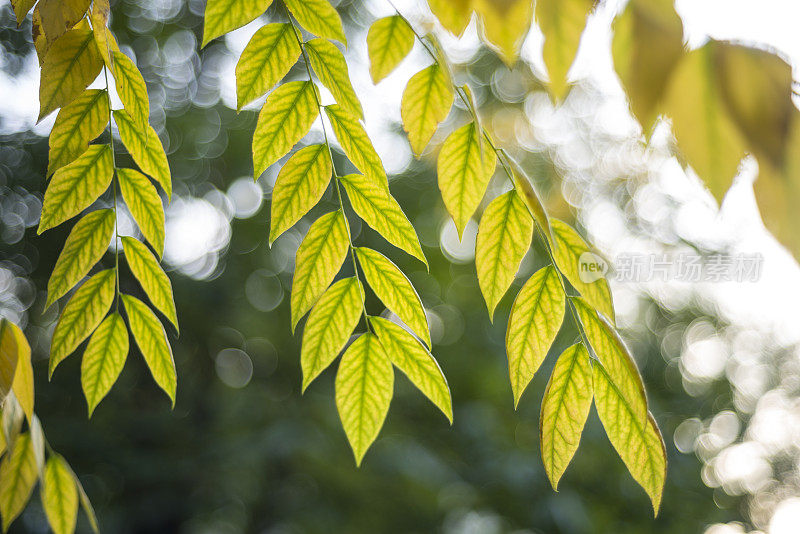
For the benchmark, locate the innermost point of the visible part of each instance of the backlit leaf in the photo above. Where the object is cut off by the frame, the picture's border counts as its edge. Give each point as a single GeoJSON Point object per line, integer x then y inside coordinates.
{"type": "Point", "coordinates": [453, 14]}
{"type": "Point", "coordinates": [9, 355]}
{"type": "Point", "coordinates": [355, 142]}
{"type": "Point", "coordinates": [145, 206]}
{"type": "Point", "coordinates": [562, 23]}
{"type": "Point", "coordinates": [463, 173]}
{"type": "Point", "coordinates": [151, 276]}
{"type": "Point", "coordinates": [86, 504]}
{"type": "Point", "coordinates": [21, 9]}
{"type": "Point", "coordinates": [504, 237]}
{"type": "Point", "coordinates": [373, 202]}
{"type": "Point", "coordinates": [286, 117]}
{"type": "Point", "coordinates": [145, 149]}
{"type": "Point", "coordinates": [417, 363]}
{"type": "Point", "coordinates": [23, 376]}
{"type": "Point", "coordinates": [426, 102]}
{"type": "Point", "coordinates": [318, 259]}
{"type": "Point", "coordinates": [395, 291]}
{"type": "Point", "coordinates": [504, 25]}
{"type": "Point", "coordinates": [319, 17]}
{"type": "Point", "coordinates": [329, 326]}
{"type": "Point", "coordinates": [222, 16]}
{"type": "Point", "coordinates": [18, 473]}
{"type": "Point", "coordinates": [59, 16]}
{"type": "Point", "coordinates": [104, 359]}
{"type": "Point", "coordinates": [389, 41]}
{"type": "Point", "coordinates": [298, 187]}
{"type": "Point", "coordinates": [82, 314]}
{"type": "Point", "coordinates": [103, 38]}
{"type": "Point", "coordinates": [266, 59]}
{"type": "Point", "coordinates": [331, 68]}
{"type": "Point", "coordinates": [59, 496]}
{"type": "Point", "coordinates": [74, 187]}
{"type": "Point", "coordinates": [77, 123]}
{"type": "Point", "coordinates": [151, 338]}
{"type": "Point", "coordinates": [565, 407]}
{"type": "Point", "coordinates": [535, 319]}
{"type": "Point", "coordinates": [364, 389]}
{"type": "Point", "coordinates": [526, 192]}
{"type": "Point", "coordinates": [131, 89]}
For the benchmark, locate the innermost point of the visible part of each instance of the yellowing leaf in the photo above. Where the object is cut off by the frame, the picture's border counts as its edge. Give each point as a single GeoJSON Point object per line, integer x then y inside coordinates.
{"type": "Point", "coordinates": [222, 16]}
{"type": "Point", "coordinates": [453, 14]}
{"type": "Point", "coordinates": [17, 477]}
{"type": "Point", "coordinates": [266, 59]}
{"type": "Point", "coordinates": [331, 68]}
{"type": "Point", "coordinates": [153, 344]}
{"type": "Point", "coordinates": [395, 291]}
{"type": "Point", "coordinates": [355, 142]}
{"type": "Point", "coordinates": [562, 23]}
{"type": "Point", "coordinates": [151, 276]}
{"type": "Point", "coordinates": [389, 41]}
{"type": "Point", "coordinates": [565, 407]}
{"type": "Point", "coordinates": [298, 187]}
{"type": "Point", "coordinates": [131, 89]}
{"type": "Point", "coordinates": [526, 191]}
{"type": "Point", "coordinates": [9, 356]}
{"type": "Point", "coordinates": [637, 440]}
{"type": "Point", "coordinates": [504, 25]}
{"type": "Point", "coordinates": [59, 16]}
{"type": "Point", "coordinates": [86, 244]}
{"type": "Point", "coordinates": [373, 202]}
{"type": "Point", "coordinates": [426, 102]}
{"type": "Point", "coordinates": [67, 69]}
{"type": "Point", "coordinates": [318, 259]}
{"type": "Point", "coordinates": [59, 496]}
{"type": "Point", "coordinates": [82, 314]}
{"type": "Point", "coordinates": [104, 359]}
{"type": "Point", "coordinates": [464, 173]}
{"type": "Point", "coordinates": [364, 389]}
{"type": "Point", "coordinates": [144, 204]}
{"type": "Point", "coordinates": [319, 17]}
{"type": "Point", "coordinates": [329, 326]}
{"type": "Point", "coordinates": [103, 38]}
{"type": "Point", "coordinates": [76, 125]}
{"type": "Point", "coordinates": [286, 117]}
{"type": "Point", "coordinates": [504, 236]}
{"type": "Point", "coordinates": [21, 9]}
{"type": "Point", "coordinates": [74, 187]}
{"type": "Point", "coordinates": [416, 362]}
{"type": "Point", "coordinates": [535, 319]}
{"type": "Point", "coordinates": [572, 254]}
{"type": "Point", "coordinates": [145, 149]}
{"type": "Point", "coordinates": [23, 376]}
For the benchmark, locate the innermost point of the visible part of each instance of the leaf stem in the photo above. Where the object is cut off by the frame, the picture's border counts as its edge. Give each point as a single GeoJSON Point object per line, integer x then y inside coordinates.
{"type": "Point", "coordinates": [114, 180]}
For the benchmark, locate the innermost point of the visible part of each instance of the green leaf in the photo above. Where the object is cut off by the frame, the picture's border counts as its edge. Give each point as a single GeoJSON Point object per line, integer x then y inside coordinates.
{"type": "Point", "coordinates": [145, 205]}
{"type": "Point", "coordinates": [151, 276]}
{"type": "Point", "coordinates": [562, 23]}
{"type": "Point", "coordinates": [417, 363]}
{"type": "Point", "coordinates": [298, 187]}
{"type": "Point", "coordinates": [145, 149]}
{"type": "Point", "coordinates": [222, 16]}
{"type": "Point", "coordinates": [355, 142]}
{"type": "Point", "coordinates": [104, 359]}
{"type": "Point", "coordinates": [389, 41]}
{"type": "Point", "coordinates": [67, 69]}
{"type": "Point", "coordinates": [82, 314]}
{"type": "Point", "coordinates": [504, 237]}
{"type": "Point", "coordinates": [266, 59]}
{"type": "Point", "coordinates": [375, 204]}
{"type": "Point", "coordinates": [131, 90]}
{"type": "Point", "coordinates": [319, 17]}
{"type": "Point", "coordinates": [151, 338]}
{"type": "Point", "coordinates": [637, 440]}
{"type": "Point", "coordinates": [615, 357]}
{"type": "Point", "coordinates": [331, 68]}
{"type": "Point", "coordinates": [526, 191]}
{"type": "Point", "coordinates": [464, 173]}
{"type": "Point", "coordinates": [286, 117]}
{"type": "Point", "coordinates": [329, 326]}
{"type": "Point", "coordinates": [23, 376]}
{"type": "Point", "coordinates": [453, 14]}
{"type": "Point", "coordinates": [17, 477]}
{"type": "Point", "coordinates": [535, 319]}
{"type": "Point", "coordinates": [395, 291]}
{"type": "Point", "coordinates": [74, 187]}
{"type": "Point", "coordinates": [86, 244]}
{"type": "Point", "coordinates": [9, 355]}
{"type": "Point", "coordinates": [565, 407]}
{"type": "Point", "coordinates": [318, 259]}
{"type": "Point", "coordinates": [59, 496]}
{"type": "Point", "coordinates": [571, 252]}
{"type": "Point", "coordinates": [364, 389]}
{"type": "Point", "coordinates": [77, 123]}
{"type": "Point", "coordinates": [426, 102]}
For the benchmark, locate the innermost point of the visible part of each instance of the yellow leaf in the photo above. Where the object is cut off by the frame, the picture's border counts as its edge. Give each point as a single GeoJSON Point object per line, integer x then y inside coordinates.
{"type": "Point", "coordinates": [222, 16]}
{"type": "Point", "coordinates": [286, 117]}
{"type": "Point", "coordinates": [59, 496]}
{"type": "Point", "coordinates": [23, 377]}
{"type": "Point", "coordinates": [454, 15]}
{"type": "Point", "coordinates": [74, 187]}
{"type": "Point", "coordinates": [364, 389]}
{"type": "Point", "coordinates": [18, 473]}
{"type": "Point", "coordinates": [319, 17]}
{"type": "Point", "coordinates": [426, 102]}
{"type": "Point", "coordinates": [9, 356]}
{"type": "Point", "coordinates": [355, 142]}
{"type": "Point", "coordinates": [318, 259]}
{"type": "Point", "coordinates": [504, 24]}
{"type": "Point", "coordinates": [104, 359]}
{"type": "Point", "coordinates": [331, 68]}
{"type": "Point", "coordinates": [464, 173]}
{"type": "Point", "coordinates": [77, 123]}
{"type": "Point", "coordinates": [389, 41]}
{"type": "Point", "coordinates": [21, 9]}
{"type": "Point", "coordinates": [298, 187]}
{"type": "Point", "coordinates": [145, 206]}
{"type": "Point", "coordinates": [131, 89]}
{"type": "Point", "coordinates": [103, 38]}
{"type": "Point", "coordinates": [58, 16]}
{"type": "Point", "coordinates": [562, 23]}
{"type": "Point", "coordinates": [151, 276]}
{"type": "Point", "coordinates": [146, 150]}
{"type": "Point", "coordinates": [526, 191]}
{"type": "Point", "coordinates": [82, 314]}
{"type": "Point", "coordinates": [266, 59]}
{"type": "Point", "coordinates": [535, 319]}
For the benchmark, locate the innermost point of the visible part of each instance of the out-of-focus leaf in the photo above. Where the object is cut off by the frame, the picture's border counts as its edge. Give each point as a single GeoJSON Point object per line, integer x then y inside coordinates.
{"type": "Point", "coordinates": [131, 89]}
{"type": "Point", "coordinates": [331, 68]}
{"type": "Point", "coordinates": [86, 504]}
{"type": "Point", "coordinates": [562, 23]}
{"type": "Point", "coordinates": [426, 102]}
{"type": "Point", "coordinates": [504, 24]}
{"type": "Point", "coordinates": [104, 359]}
{"type": "Point", "coordinates": [103, 38]}
{"type": "Point", "coordinates": [526, 191]}
{"type": "Point", "coordinates": [145, 149]}
{"type": "Point", "coordinates": [76, 125]}
{"type": "Point", "coordinates": [222, 16]}
{"type": "Point", "coordinates": [151, 276]}
{"type": "Point", "coordinates": [145, 206]}
{"type": "Point", "coordinates": [266, 59]}
{"type": "Point", "coordinates": [355, 142]}
{"type": "Point", "coordinates": [389, 41]}
{"type": "Point", "coordinates": [9, 356]}
{"type": "Point", "coordinates": [17, 477]}
{"type": "Point", "coordinates": [23, 376]}
{"type": "Point", "coordinates": [454, 15]}
{"type": "Point", "coordinates": [59, 496]}
{"type": "Point", "coordinates": [319, 17]}
{"type": "Point", "coordinates": [21, 9]}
